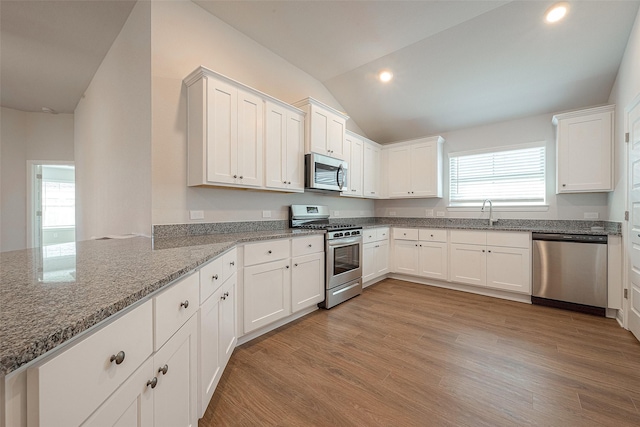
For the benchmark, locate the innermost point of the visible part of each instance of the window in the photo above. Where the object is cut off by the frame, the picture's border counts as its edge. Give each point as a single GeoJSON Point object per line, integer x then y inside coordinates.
{"type": "Point", "coordinates": [58, 204]}
{"type": "Point", "coordinates": [507, 176]}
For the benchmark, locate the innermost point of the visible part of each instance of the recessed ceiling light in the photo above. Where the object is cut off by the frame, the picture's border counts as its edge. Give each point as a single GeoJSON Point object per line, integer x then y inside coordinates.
{"type": "Point", "coordinates": [556, 12]}
{"type": "Point", "coordinates": [385, 76]}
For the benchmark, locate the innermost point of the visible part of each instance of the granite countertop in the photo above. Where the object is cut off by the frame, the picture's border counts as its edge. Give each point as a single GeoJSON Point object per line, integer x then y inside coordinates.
{"type": "Point", "coordinates": [49, 296]}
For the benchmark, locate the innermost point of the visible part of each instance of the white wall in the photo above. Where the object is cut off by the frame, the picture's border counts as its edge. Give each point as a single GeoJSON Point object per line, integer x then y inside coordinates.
{"type": "Point", "coordinates": [625, 89]}
{"type": "Point", "coordinates": [113, 137]}
{"type": "Point", "coordinates": [184, 36]}
{"type": "Point", "coordinates": [27, 136]}
{"type": "Point", "coordinates": [514, 132]}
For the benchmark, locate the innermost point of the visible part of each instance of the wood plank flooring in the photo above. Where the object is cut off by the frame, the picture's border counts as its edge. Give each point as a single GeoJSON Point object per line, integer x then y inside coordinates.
{"type": "Point", "coordinates": [405, 354]}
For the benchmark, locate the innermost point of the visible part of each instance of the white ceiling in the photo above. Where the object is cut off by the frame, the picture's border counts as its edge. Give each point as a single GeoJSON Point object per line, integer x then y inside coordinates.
{"type": "Point", "coordinates": [50, 50]}
{"type": "Point", "coordinates": [456, 64]}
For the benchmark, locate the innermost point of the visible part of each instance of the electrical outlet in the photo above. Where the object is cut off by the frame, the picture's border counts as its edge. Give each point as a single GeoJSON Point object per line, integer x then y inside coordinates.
{"type": "Point", "coordinates": [428, 212]}
{"type": "Point", "coordinates": [591, 215]}
{"type": "Point", "coordinates": [336, 213]}
{"type": "Point", "coordinates": [196, 214]}
{"type": "Point", "coordinates": [440, 213]}
{"type": "Point", "coordinates": [392, 213]}
{"type": "Point", "coordinates": [266, 214]}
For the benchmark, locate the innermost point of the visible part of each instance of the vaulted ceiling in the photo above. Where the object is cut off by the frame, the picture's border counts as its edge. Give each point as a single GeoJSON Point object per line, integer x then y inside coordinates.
{"type": "Point", "coordinates": [456, 64]}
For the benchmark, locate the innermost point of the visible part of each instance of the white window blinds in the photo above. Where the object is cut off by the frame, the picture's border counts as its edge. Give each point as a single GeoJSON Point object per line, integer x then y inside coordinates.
{"type": "Point", "coordinates": [507, 177]}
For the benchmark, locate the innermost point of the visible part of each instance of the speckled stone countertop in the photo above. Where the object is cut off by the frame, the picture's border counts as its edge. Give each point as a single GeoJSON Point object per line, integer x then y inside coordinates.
{"type": "Point", "coordinates": [526, 225]}
{"type": "Point", "coordinates": [49, 296]}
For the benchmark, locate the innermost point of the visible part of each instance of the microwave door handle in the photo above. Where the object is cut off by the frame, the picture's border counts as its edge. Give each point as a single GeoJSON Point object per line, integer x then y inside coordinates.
{"type": "Point", "coordinates": [340, 183]}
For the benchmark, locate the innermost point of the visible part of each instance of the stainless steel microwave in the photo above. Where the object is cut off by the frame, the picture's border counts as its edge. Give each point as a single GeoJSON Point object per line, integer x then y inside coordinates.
{"type": "Point", "coordinates": [324, 173]}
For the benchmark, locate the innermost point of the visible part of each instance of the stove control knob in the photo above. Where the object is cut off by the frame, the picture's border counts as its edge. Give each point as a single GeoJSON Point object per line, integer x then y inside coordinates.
{"type": "Point", "coordinates": [347, 234]}
{"type": "Point", "coordinates": [337, 235]}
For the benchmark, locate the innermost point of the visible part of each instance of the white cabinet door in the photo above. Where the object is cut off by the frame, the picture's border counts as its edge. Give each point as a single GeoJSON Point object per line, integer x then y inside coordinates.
{"type": "Point", "coordinates": [406, 256]}
{"type": "Point", "coordinates": [509, 269]}
{"type": "Point", "coordinates": [227, 321]}
{"type": "Point", "coordinates": [176, 370]}
{"type": "Point", "coordinates": [434, 260]}
{"type": "Point", "coordinates": [353, 149]}
{"type": "Point", "coordinates": [381, 258]}
{"type": "Point", "coordinates": [399, 176]}
{"type": "Point", "coordinates": [335, 142]}
{"type": "Point", "coordinates": [371, 167]}
{"type": "Point", "coordinates": [222, 131]}
{"type": "Point", "coordinates": [327, 132]}
{"type": "Point", "coordinates": [284, 148]}
{"type": "Point", "coordinates": [368, 261]}
{"type": "Point", "coordinates": [267, 293]}
{"type": "Point", "coordinates": [210, 369]}
{"type": "Point", "coordinates": [131, 405]}
{"type": "Point", "coordinates": [294, 152]}
{"type": "Point", "coordinates": [585, 149]}
{"type": "Point", "coordinates": [424, 170]}
{"type": "Point", "coordinates": [250, 140]}
{"type": "Point", "coordinates": [468, 264]}
{"type": "Point", "coordinates": [307, 281]}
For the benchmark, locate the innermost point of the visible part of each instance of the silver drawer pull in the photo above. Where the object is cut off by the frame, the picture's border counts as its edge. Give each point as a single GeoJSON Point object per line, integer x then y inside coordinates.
{"type": "Point", "coordinates": [223, 297]}
{"type": "Point", "coordinates": [184, 304]}
{"type": "Point", "coordinates": [118, 358]}
{"type": "Point", "coordinates": [232, 263]}
{"type": "Point", "coordinates": [163, 370]}
{"type": "Point", "coordinates": [269, 252]}
{"type": "Point", "coordinates": [287, 266]}
{"type": "Point", "coordinates": [226, 294]}
{"type": "Point", "coordinates": [152, 382]}
{"type": "Point", "coordinates": [310, 243]}
{"type": "Point", "coordinates": [214, 277]}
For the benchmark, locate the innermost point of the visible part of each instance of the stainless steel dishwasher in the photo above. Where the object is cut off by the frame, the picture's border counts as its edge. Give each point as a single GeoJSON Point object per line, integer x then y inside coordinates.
{"type": "Point", "coordinates": [570, 272]}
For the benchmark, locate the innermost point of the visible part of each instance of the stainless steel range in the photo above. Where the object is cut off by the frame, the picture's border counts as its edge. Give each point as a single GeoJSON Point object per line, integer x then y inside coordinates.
{"type": "Point", "coordinates": [343, 252]}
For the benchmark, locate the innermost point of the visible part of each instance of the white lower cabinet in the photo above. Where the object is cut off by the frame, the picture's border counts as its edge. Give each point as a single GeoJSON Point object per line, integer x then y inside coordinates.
{"type": "Point", "coordinates": [267, 293]}
{"type": "Point", "coordinates": [216, 339]}
{"type": "Point", "coordinates": [281, 277]}
{"type": "Point", "coordinates": [375, 253]}
{"type": "Point", "coordinates": [421, 252]}
{"type": "Point", "coordinates": [493, 259]}
{"type": "Point", "coordinates": [307, 281]}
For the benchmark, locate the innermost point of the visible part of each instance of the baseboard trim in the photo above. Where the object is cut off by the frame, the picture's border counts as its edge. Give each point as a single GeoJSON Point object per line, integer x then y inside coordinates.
{"type": "Point", "coordinates": [255, 334]}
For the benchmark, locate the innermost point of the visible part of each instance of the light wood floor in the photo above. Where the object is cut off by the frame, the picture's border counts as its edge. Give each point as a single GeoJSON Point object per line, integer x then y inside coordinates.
{"type": "Point", "coordinates": [404, 354]}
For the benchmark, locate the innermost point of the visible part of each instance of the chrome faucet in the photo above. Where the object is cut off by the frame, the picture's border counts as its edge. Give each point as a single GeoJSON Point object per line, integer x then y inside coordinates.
{"type": "Point", "coordinates": [491, 220]}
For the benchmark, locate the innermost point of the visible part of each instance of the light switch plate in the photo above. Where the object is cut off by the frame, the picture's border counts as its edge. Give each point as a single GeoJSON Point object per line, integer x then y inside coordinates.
{"type": "Point", "coordinates": [428, 212]}
{"type": "Point", "coordinates": [440, 213]}
{"type": "Point", "coordinates": [266, 214]}
{"type": "Point", "coordinates": [392, 213]}
{"type": "Point", "coordinates": [196, 214]}
{"type": "Point", "coordinates": [591, 215]}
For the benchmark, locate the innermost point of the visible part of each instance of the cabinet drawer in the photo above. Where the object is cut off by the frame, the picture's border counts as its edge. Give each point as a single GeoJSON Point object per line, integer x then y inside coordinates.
{"type": "Point", "coordinates": [405, 233]}
{"type": "Point", "coordinates": [58, 387]}
{"type": "Point", "coordinates": [229, 263]}
{"type": "Point", "coordinates": [307, 245]}
{"type": "Point", "coordinates": [382, 233]}
{"type": "Point", "coordinates": [469, 237]}
{"type": "Point", "coordinates": [369, 235]}
{"type": "Point", "coordinates": [431, 235]}
{"type": "Point", "coordinates": [512, 239]}
{"type": "Point", "coordinates": [174, 306]}
{"type": "Point", "coordinates": [272, 250]}
{"type": "Point", "coordinates": [211, 277]}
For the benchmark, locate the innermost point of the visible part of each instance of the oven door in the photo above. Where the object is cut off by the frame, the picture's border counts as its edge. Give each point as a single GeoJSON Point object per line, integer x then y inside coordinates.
{"type": "Point", "coordinates": [344, 261]}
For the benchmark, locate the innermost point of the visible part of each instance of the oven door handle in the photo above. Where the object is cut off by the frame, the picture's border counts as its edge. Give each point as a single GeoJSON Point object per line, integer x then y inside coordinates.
{"type": "Point", "coordinates": [344, 242]}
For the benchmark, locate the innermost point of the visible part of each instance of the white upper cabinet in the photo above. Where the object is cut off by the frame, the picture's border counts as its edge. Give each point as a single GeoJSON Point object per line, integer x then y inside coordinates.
{"type": "Point", "coordinates": [354, 156]}
{"type": "Point", "coordinates": [415, 168]}
{"type": "Point", "coordinates": [324, 128]}
{"type": "Point", "coordinates": [585, 150]}
{"type": "Point", "coordinates": [284, 153]}
{"type": "Point", "coordinates": [225, 132]}
{"type": "Point", "coordinates": [371, 170]}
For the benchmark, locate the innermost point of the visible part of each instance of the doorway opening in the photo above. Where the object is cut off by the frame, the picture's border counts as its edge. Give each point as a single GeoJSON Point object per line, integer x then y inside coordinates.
{"type": "Point", "coordinates": [52, 207]}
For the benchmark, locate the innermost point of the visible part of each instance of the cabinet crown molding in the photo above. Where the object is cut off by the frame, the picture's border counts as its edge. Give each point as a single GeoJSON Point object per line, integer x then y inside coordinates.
{"type": "Point", "coordinates": [312, 101]}
{"type": "Point", "coordinates": [437, 138]}
{"type": "Point", "coordinates": [583, 112]}
{"type": "Point", "coordinates": [202, 72]}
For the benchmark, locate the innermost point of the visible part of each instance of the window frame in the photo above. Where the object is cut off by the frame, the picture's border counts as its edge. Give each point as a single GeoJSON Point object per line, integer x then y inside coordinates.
{"type": "Point", "coordinates": [513, 205]}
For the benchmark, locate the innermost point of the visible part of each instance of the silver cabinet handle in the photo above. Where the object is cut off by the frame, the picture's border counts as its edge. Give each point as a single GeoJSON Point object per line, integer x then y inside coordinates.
{"type": "Point", "coordinates": [287, 266]}
{"type": "Point", "coordinates": [232, 263]}
{"type": "Point", "coordinates": [289, 182]}
{"type": "Point", "coordinates": [226, 294]}
{"type": "Point", "coordinates": [184, 304]}
{"type": "Point", "coordinates": [118, 358]}
{"type": "Point", "coordinates": [489, 251]}
{"type": "Point", "coordinates": [295, 265]}
{"type": "Point", "coordinates": [223, 297]}
{"type": "Point", "coordinates": [269, 252]}
{"type": "Point", "coordinates": [564, 185]}
{"type": "Point", "coordinates": [483, 250]}
{"type": "Point", "coordinates": [152, 382]}
{"type": "Point", "coordinates": [284, 182]}
{"type": "Point", "coordinates": [311, 245]}
{"type": "Point", "coordinates": [235, 176]}
{"type": "Point", "coordinates": [163, 370]}
{"type": "Point", "coordinates": [214, 277]}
